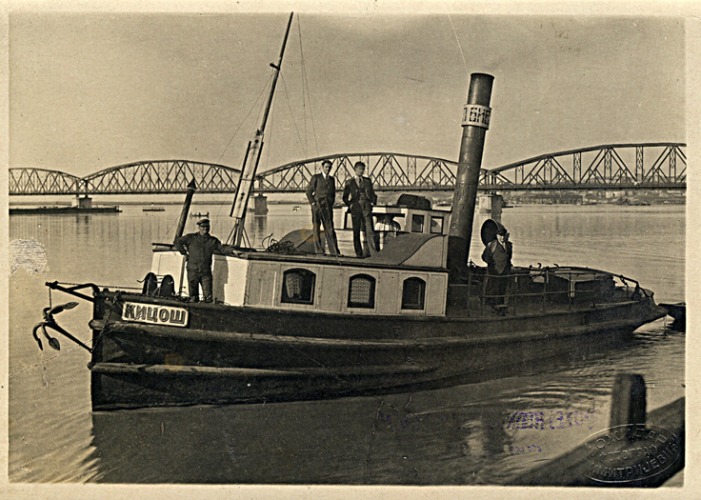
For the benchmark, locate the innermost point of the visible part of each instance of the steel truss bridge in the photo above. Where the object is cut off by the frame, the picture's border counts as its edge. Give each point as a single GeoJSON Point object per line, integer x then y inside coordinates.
{"type": "Point", "coordinates": [608, 167]}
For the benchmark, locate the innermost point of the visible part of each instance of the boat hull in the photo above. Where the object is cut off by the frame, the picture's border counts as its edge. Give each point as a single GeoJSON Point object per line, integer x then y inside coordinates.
{"type": "Point", "coordinates": [237, 354]}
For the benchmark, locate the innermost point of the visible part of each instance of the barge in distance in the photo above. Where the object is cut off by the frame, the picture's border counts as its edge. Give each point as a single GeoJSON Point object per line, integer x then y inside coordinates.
{"type": "Point", "coordinates": [82, 205]}
{"type": "Point", "coordinates": [297, 326]}
{"type": "Point", "coordinates": [63, 210]}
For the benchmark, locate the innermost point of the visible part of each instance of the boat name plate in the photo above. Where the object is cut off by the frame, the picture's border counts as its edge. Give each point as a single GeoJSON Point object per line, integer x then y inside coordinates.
{"type": "Point", "coordinates": [155, 314]}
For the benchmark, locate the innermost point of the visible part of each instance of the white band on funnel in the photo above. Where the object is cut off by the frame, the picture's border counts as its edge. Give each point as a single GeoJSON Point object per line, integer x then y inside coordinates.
{"type": "Point", "coordinates": [476, 115]}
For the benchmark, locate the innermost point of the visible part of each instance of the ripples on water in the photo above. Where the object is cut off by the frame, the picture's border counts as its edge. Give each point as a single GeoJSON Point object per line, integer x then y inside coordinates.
{"type": "Point", "coordinates": [470, 434]}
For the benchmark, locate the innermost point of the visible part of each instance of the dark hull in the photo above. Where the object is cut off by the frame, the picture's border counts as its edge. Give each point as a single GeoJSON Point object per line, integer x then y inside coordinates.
{"type": "Point", "coordinates": [232, 355]}
{"type": "Point", "coordinates": [678, 312]}
{"type": "Point", "coordinates": [64, 211]}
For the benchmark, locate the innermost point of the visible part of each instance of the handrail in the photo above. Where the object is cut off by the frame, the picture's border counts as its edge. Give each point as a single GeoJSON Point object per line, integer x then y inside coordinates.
{"type": "Point", "coordinates": [623, 278]}
{"type": "Point", "coordinates": [477, 279]}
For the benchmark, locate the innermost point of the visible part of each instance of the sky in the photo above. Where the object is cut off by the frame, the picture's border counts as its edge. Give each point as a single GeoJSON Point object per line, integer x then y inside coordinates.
{"type": "Point", "coordinates": [91, 91]}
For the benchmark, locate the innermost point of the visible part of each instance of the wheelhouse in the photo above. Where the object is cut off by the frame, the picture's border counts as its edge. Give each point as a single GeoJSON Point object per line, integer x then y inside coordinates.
{"type": "Point", "coordinates": [407, 277]}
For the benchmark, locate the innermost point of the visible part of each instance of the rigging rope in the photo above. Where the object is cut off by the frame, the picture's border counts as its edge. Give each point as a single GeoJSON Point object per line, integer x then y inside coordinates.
{"type": "Point", "coordinates": [458, 40]}
{"type": "Point", "coordinates": [262, 90]}
{"type": "Point", "coordinates": [299, 136]}
{"type": "Point", "coordinates": [304, 96]}
{"type": "Point", "coordinates": [305, 91]}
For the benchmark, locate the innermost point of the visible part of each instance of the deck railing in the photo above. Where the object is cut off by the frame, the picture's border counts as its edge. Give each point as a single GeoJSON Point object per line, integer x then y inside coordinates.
{"type": "Point", "coordinates": [551, 288]}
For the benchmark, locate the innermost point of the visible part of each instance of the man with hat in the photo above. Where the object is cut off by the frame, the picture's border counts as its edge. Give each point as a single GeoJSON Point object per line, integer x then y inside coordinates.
{"type": "Point", "coordinates": [497, 254]}
{"type": "Point", "coordinates": [198, 249]}
{"type": "Point", "coordinates": [321, 194]}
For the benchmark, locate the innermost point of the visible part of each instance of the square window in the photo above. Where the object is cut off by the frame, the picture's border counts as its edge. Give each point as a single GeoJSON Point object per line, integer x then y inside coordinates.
{"type": "Point", "coordinates": [361, 291]}
{"type": "Point", "coordinates": [436, 225]}
{"type": "Point", "coordinates": [417, 223]}
{"type": "Point", "coordinates": [413, 293]}
{"type": "Point", "coordinates": [298, 286]}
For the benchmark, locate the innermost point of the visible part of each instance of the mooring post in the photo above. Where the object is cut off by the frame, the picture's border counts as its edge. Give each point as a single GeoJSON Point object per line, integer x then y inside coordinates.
{"type": "Point", "coordinates": [628, 400]}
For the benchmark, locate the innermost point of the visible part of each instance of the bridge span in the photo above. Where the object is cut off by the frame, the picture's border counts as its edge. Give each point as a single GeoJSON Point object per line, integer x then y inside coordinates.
{"type": "Point", "coordinates": [607, 167]}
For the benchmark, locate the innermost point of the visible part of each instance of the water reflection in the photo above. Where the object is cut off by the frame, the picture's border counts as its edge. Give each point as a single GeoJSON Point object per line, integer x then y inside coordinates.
{"type": "Point", "coordinates": [358, 441]}
{"type": "Point", "coordinates": [261, 223]}
{"type": "Point", "coordinates": [345, 441]}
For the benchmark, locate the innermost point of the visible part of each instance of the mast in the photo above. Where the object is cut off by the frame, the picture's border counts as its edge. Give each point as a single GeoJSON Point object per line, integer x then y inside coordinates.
{"type": "Point", "coordinates": [255, 147]}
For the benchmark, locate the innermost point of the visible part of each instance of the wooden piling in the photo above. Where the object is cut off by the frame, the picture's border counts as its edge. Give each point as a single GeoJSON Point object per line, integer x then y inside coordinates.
{"type": "Point", "coordinates": [628, 400]}
{"type": "Point", "coordinates": [664, 428]}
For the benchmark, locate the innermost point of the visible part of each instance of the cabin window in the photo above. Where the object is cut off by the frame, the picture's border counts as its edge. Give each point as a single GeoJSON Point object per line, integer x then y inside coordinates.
{"type": "Point", "coordinates": [413, 293]}
{"type": "Point", "coordinates": [437, 225]}
{"type": "Point", "coordinates": [361, 291]}
{"type": "Point", "coordinates": [417, 223]}
{"type": "Point", "coordinates": [298, 286]}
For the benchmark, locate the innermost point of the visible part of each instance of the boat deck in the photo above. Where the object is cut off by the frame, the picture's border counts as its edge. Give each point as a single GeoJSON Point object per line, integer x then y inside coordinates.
{"type": "Point", "coordinates": [540, 291]}
{"type": "Point", "coordinates": [528, 304]}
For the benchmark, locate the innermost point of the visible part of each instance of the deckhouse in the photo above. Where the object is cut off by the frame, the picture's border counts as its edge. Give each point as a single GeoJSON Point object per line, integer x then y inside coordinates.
{"type": "Point", "coordinates": [408, 276]}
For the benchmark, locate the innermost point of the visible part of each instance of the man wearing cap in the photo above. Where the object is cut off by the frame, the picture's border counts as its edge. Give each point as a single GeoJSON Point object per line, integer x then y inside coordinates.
{"type": "Point", "coordinates": [198, 249]}
{"type": "Point", "coordinates": [359, 197]}
{"type": "Point", "coordinates": [497, 254]}
{"type": "Point", "coordinates": [321, 194]}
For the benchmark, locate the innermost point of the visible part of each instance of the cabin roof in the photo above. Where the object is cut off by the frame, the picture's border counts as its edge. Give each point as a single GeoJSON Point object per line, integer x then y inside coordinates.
{"type": "Point", "coordinates": [395, 252]}
{"type": "Point", "coordinates": [399, 249]}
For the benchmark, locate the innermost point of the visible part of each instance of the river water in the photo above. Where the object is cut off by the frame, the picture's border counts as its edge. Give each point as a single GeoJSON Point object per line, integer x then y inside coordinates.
{"type": "Point", "coordinates": [458, 435]}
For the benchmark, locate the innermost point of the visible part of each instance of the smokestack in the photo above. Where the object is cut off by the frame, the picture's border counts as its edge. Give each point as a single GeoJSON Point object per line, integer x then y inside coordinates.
{"type": "Point", "coordinates": [475, 122]}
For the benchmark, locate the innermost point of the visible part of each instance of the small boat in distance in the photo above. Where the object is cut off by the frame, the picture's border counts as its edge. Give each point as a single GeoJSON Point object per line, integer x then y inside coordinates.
{"type": "Point", "coordinates": [287, 324]}
{"type": "Point", "coordinates": [200, 214]}
{"type": "Point", "coordinates": [153, 208]}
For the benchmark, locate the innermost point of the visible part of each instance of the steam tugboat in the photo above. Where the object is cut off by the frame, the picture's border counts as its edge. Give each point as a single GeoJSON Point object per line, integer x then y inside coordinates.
{"type": "Point", "coordinates": [295, 325]}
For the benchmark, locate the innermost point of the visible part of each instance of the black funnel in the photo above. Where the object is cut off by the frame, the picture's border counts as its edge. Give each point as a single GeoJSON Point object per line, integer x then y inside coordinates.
{"type": "Point", "coordinates": [475, 122]}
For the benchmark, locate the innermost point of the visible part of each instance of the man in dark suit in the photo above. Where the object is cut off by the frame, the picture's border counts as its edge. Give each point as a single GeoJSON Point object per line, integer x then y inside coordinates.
{"type": "Point", "coordinates": [321, 194]}
{"type": "Point", "coordinates": [497, 254]}
{"type": "Point", "coordinates": [359, 197]}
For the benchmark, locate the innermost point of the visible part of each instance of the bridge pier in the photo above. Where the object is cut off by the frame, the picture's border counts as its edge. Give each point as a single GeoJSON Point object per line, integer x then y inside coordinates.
{"type": "Point", "coordinates": [491, 204]}
{"type": "Point", "coordinates": [260, 205]}
{"type": "Point", "coordinates": [82, 201]}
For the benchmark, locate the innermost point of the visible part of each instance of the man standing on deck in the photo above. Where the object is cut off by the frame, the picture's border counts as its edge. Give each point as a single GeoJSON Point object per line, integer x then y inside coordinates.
{"type": "Point", "coordinates": [497, 254]}
{"type": "Point", "coordinates": [359, 197]}
{"type": "Point", "coordinates": [198, 249]}
{"type": "Point", "coordinates": [321, 194]}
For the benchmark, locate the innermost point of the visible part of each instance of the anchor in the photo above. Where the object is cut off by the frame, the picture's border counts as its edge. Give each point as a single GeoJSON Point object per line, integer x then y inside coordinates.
{"type": "Point", "coordinates": [50, 322]}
